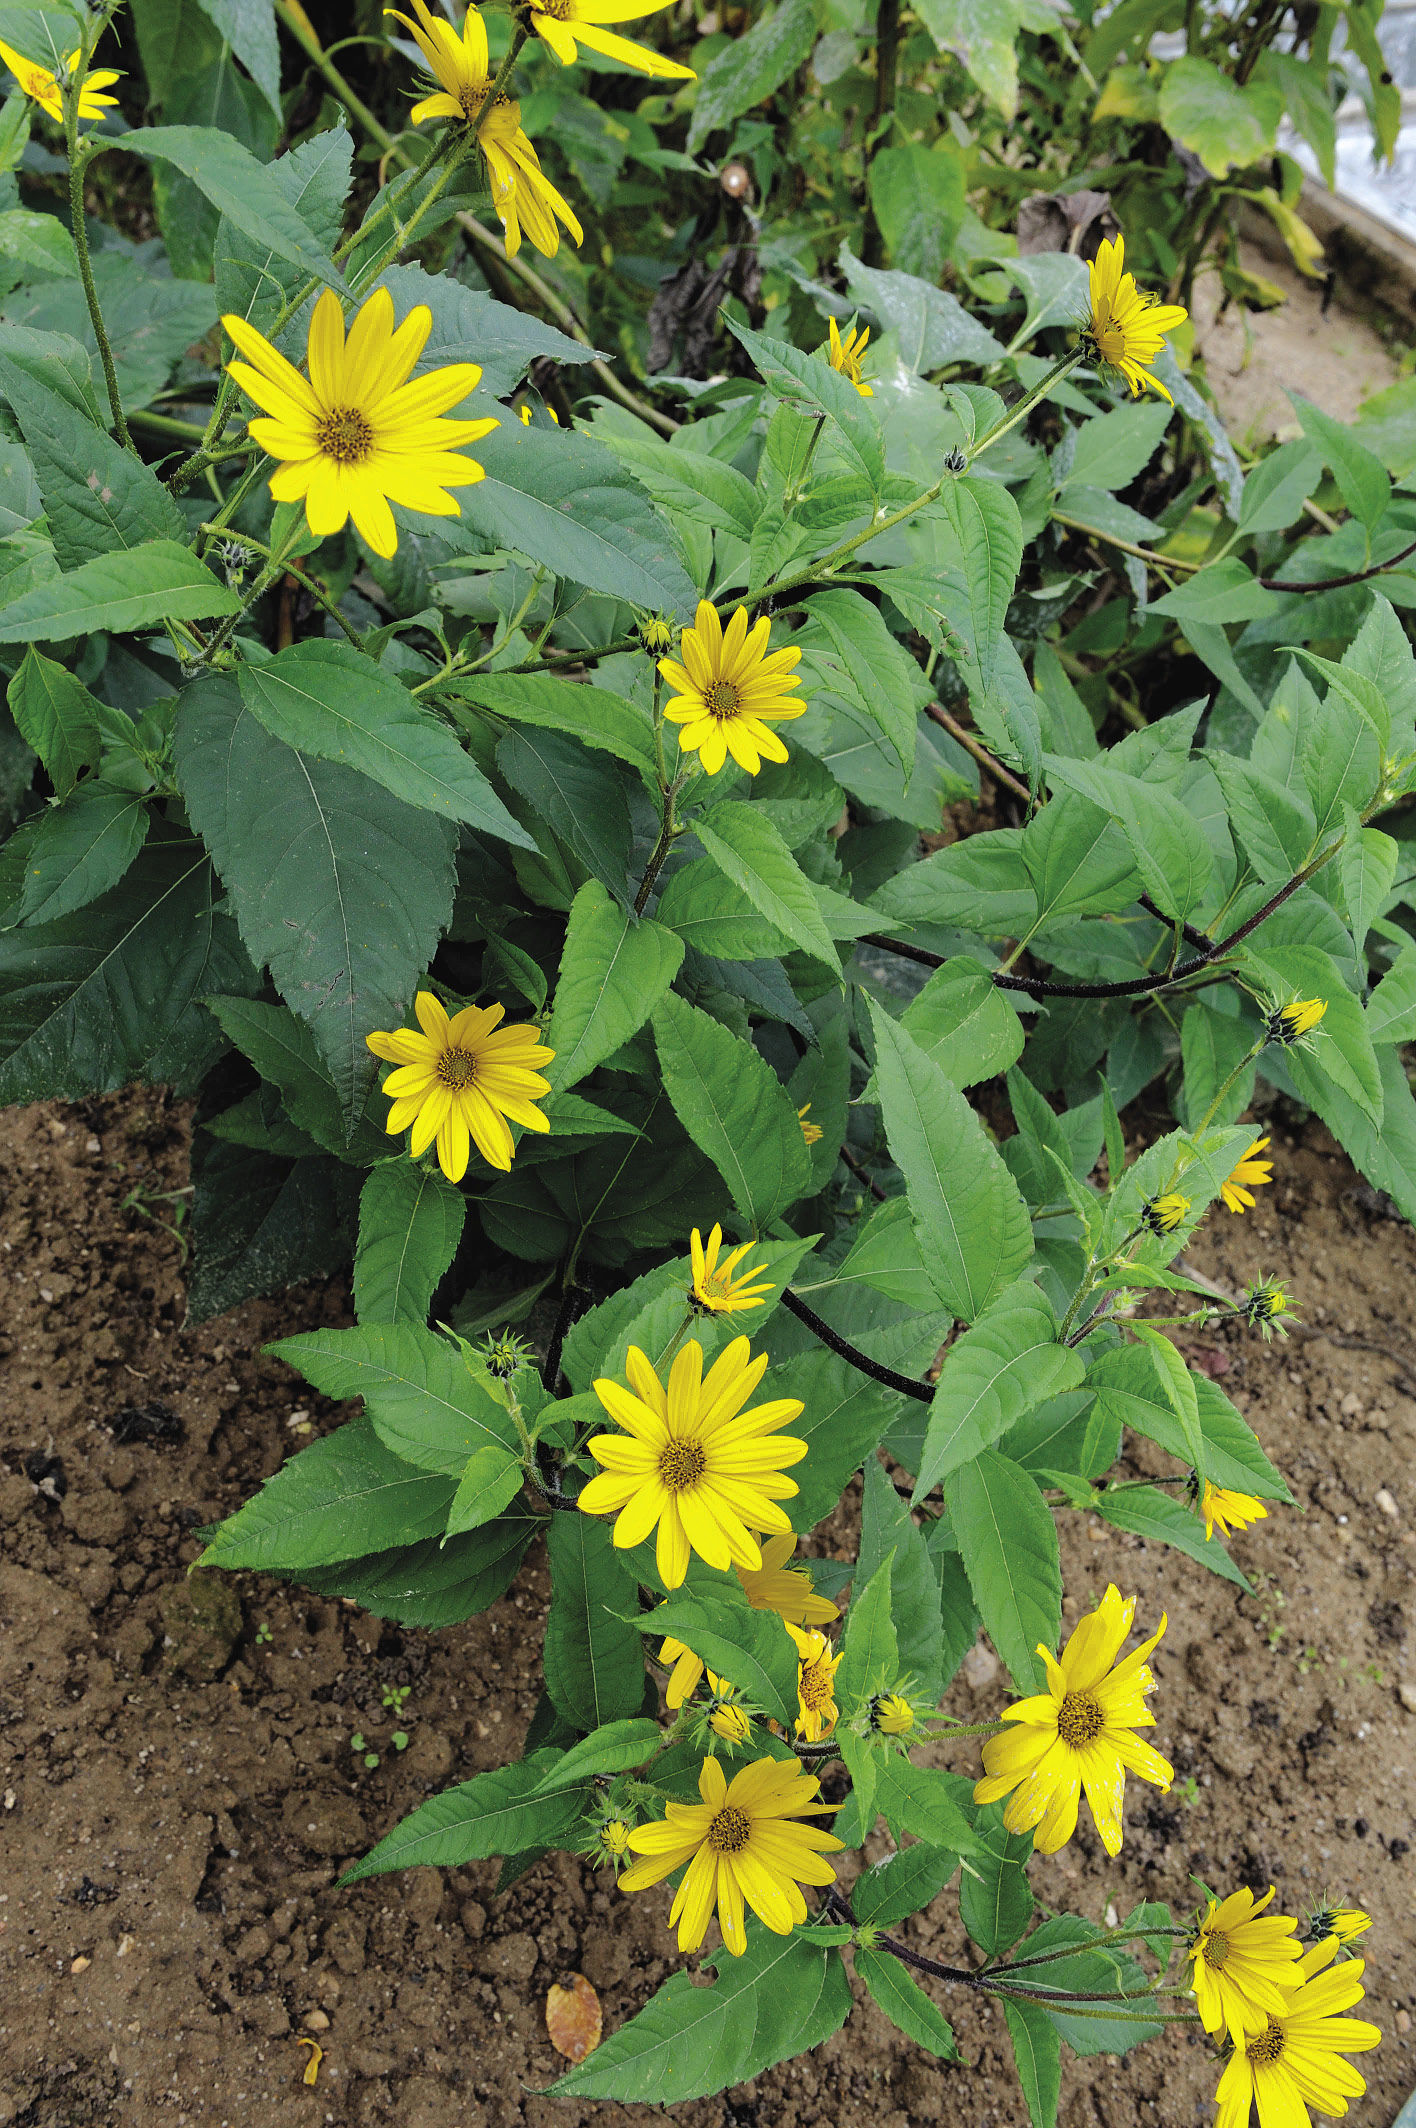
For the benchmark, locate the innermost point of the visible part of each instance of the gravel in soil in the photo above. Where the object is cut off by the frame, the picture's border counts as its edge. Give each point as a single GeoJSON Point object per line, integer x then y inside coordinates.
{"type": "Point", "coordinates": [180, 1787]}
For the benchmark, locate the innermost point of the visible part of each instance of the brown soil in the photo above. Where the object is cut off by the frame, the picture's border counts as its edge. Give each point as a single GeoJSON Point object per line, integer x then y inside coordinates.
{"type": "Point", "coordinates": [179, 1788]}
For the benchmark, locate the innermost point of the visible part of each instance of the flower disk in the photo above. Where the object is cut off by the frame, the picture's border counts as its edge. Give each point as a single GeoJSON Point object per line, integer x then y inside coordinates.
{"type": "Point", "coordinates": [1246, 1965]}
{"type": "Point", "coordinates": [356, 436]}
{"type": "Point", "coordinates": [1077, 1735]}
{"type": "Point", "coordinates": [1127, 329]}
{"type": "Point", "coordinates": [846, 355]}
{"type": "Point", "coordinates": [1247, 1175]}
{"type": "Point", "coordinates": [692, 1461]}
{"type": "Point", "coordinates": [460, 1079]}
{"type": "Point", "coordinates": [1296, 2061]}
{"type": "Point", "coordinates": [715, 1290]}
{"type": "Point", "coordinates": [742, 1843]}
{"type": "Point", "coordinates": [1232, 1511]}
{"type": "Point", "coordinates": [563, 24]}
{"type": "Point", "coordinates": [42, 87]}
{"type": "Point", "coordinates": [728, 691]}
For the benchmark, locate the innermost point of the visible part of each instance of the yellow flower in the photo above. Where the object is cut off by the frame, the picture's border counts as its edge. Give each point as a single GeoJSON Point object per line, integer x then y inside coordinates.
{"type": "Point", "coordinates": [730, 691]}
{"type": "Point", "coordinates": [1246, 1965]}
{"type": "Point", "coordinates": [45, 90]}
{"type": "Point", "coordinates": [727, 1718]}
{"type": "Point", "coordinates": [812, 1132]}
{"type": "Point", "coordinates": [846, 356]}
{"type": "Point", "coordinates": [1265, 1308]}
{"type": "Point", "coordinates": [692, 1461]}
{"type": "Point", "coordinates": [1296, 2061]}
{"type": "Point", "coordinates": [1077, 1735]}
{"type": "Point", "coordinates": [1292, 1021]}
{"type": "Point", "coordinates": [1127, 329]}
{"type": "Point", "coordinates": [562, 24]}
{"type": "Point", "coordinates": [892, 1715]}
{"type": "Point", "coordinates": [686, 1669]}
{"type": "Point", "coordinates": [715, 1290]}
{"type": "Point", "coordinates": [615, 1835]}
{"type": "Point", "coordinates": [743, 1842]}
{"type": "Point", "coordinates": [816, 1682]}
{"type": "Point", "coordinates": [1162, 1215]}
{"type": "Point", "coordinates": [523, 195]}
{"type": "Point", "coordinates": [1232, 1511]}
{"type": "Point", "coordinates": [460, 1079]}
{"type": "Point", "coordinates": [1248, 1174]}
{"type": "Point", "coordinates": [357, 436]}
{"type": "Point", "coordinates": [774, 1586]}
{"type": "Point", "coordinates": [1344, 1922]}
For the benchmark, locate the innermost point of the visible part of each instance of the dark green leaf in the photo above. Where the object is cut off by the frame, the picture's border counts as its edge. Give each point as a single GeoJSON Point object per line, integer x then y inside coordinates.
{"type": "Point", "coordinates": [1008, 1542]}
{"type": "Point", "coordinates": [594, 1658]}
{"type": "Point", "coordinates": [613, 972]}
{"type": "Point", "coordinates": [239, 187]}
{"type": "Point", "coordinates": [905, 2003]}
{"type": "Point", "coordinates": [425, 1402]}
{"type": "Point", "coordinates": [410, 1222]}
{"type": "Point", "coordinates": [98, 498]}
{"type": "Point", "coordinates": [498, 1813]}
{"type": "Point", "coordinates": [141, 588]}
{"type": "Point", "coordinates": [734, 1107]}
{"type": "Point", "coordinates": [337, 1499]}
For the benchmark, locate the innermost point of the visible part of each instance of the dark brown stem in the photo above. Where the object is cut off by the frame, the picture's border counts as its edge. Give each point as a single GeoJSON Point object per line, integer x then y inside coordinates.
{"type": "Point", "coordinates": [572, 1301]}
{"type": "Point", "coordinates": [922, 1392]}
{"type": "Point", "coordinates": [887, 52]}
{"type": "Point", "coordinates": [980, 752]}
{"type": "Point", "coordinates": [863, 1174]}
{"type": "Point", "coordinates": [1340, 583]}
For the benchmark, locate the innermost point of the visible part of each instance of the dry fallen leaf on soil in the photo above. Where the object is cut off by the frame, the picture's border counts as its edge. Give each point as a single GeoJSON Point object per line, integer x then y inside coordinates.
{"type": "Point", "coordinates": [573, 2017]}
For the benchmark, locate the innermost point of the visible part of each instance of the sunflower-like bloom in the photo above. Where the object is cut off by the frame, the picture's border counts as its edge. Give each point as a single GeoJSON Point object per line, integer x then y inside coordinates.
{"type": "Point", "coordinates": [812, 1132]}
{"type": "Point", "coordinates": [774, 1586]}
{"type": "Point", "coordinates": [1246, 1965]}
{"type": "Point", "coordinates": [1292, 1021]}
{"type": "Point", "coordinates": [460, 1079]}
{"type": "Point", "coordinates": [891, 1714]}
{"type": "Point", "coordinates": [1127, 329]}
{"type": "Point", "coordinates": [357, 436]}
{"type": "Point", "coordinates": [692, 1461]}
{"type": "Point", "coordinates": [1232, 1511]}
{"type": "Point", "coordinates": [1344, 1922]}
{"type": "Point", "coordinates": [715, 1291]}
{"type": "Point", "coordinates": [524, 197]}
{"type": "Point", "coordinates": [1296, 2061]}
{"type": "Point", "coordinates": [743, 1843]}
{"type": "Point", "coordinates": [846, 355]}
{"type": "Point", "coordinates": [728, 691]}
{"type": "Point", "coordinates": [727, 1716]}
{"type": "Point", "coordinates": [1265, 1308]}
{"type": "Point", "coordinates": [1077, 1734]}
{"type": "Point", "coordinates": [817, 1665]}
{"type": "Point", "coordinates": [564, 24]}
{"type": "Point", "coordinates": [1162, 1215]}
{"type": "Point", "coordinates": [43, 88]}
{"type": "Point", "coordinates": [1248, 1174]}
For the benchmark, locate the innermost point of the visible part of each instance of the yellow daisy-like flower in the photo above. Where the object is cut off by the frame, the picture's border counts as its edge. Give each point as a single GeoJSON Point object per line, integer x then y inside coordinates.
{"type": "Point", "coordinates": [1077, 1734]}
{"type": "Point", "coordinates": [1344, 1922]}
{"type": "Point", "coordinates": [812, 1132]}
{"type": "Point", "coordinates": [730, 691]}
{"type": "Point", "coordinates": [460, 1079]}
{"type": "Point", "coordinates": [846, 356]}
{"type": "Point", "coordinates": [523, 195]}
{"type": "Point", "coordinates": [1297, 2060]}
{"type": "Point", "coordinates": [564, 24]}
{"type": "Point", "coordinates": [46, 90]}
{"type": "Point", "coordinates": [892, 1715]}
{"type": "Point", "coordinates": [357, 435]}
{"type": "Point", "coordinates": [1232, 1511]}
{"type": "Point", "coordinates": [692, 1461]}
{"type": "Point", "coordinates": [744, 1843]}
{"type": "Point", "coordinates": [1291, 1022]}
{"type": "Point", "coordinates": [715, 1290]}
{"type": "Point", "coordinates": [1162, 1215]}
{"type": "Point", "coordinates": [774, 1586]}
{"type": "Point", "coordinates": [1127, 329]}
{"type": "Point", "coordinates": [1248, 1174]}
{"type": "Point", "coordinates": [728, 1719]}
{"type": "Point", "coordinates": [1246, 1965]}
{"type": "Point", "coordinates": [816, 1682]}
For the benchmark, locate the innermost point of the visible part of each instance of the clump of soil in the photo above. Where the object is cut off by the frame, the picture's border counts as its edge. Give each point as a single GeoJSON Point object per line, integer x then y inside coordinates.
{"type": "Point", "coordinates": [180, 1786]}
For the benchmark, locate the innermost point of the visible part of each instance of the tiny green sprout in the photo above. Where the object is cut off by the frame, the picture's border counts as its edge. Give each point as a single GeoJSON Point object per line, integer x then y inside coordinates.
{"type": "Point", "coordinates": [371, 1759]}
{"type": "Point", "coordinates": [1375, 1672]}
{"type": "Point", "coordinates": [264, 1636]}
{"type": "Point", "coordinates": [399, 1740]}
{"type": "Point", "coordinates": [395, 1695]}
{"type": "Point", "coordinates": [356, 1741]}
{"type": "Point", "coordinates": [1308, 1659]}
{"type": "Point", "coordinates": [1189, 1791]}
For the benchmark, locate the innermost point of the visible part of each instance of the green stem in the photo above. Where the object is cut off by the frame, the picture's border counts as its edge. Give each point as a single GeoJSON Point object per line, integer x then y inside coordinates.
{"type": "Point", "coordinates": [80, 156]}
{"type": "Point", "coordinates": [275, 564]}
{"type": "Point", "coordinates": [307, 583]}
{"type": "Point", "coordinates": [1026, 404]}
{"type": "Point", "coordinates": [1163, 562]}
{"type": "Point", "coordinates": [1069, 1950]}
{"type": "Point", "coordinates": [667, 831]}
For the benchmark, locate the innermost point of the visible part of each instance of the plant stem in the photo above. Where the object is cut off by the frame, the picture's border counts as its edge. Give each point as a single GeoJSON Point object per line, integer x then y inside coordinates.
{"type": "Point", "coordinates": [1112, 539]}
{"type": "Point", "coordinates": [667, 831]}
{"type": "Point", "coordinates": [306, 583]}
{"type": "Point", "coordinates": [80, 156]}
{"type": "Point", "coordinates": [1025, 405]}
{"type": "Point", "coordinates": [981, 755]}
{"type": "Point", "coordinates": [922, 1392]}
{"type": "Point", "coordinates": [887, 55]}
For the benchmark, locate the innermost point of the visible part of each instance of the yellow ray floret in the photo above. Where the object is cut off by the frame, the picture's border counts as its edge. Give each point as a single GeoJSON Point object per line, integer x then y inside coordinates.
{"type": "Point", "coordinates": [774, 1586]}
{"type": "Point", "coordinates": [1231, 1511]}
{"type": "Point", "coordinates": [1291, 1022]}
{"type": "Point", "coordinates": [1126, 328]}
{"type": "Point", "coordinates": [1246, 1965]}
{"type": "Point", "coordinates": [692, 1461]}
{"type": "Point", "coordinates": [564, 24]}
{"type": "Point", "coordinates": [817, 1665]}
{"type": "Point", "coordinates": [744, 1845]}
{"type": "Point", "coordinates": [846, 355]}
{"type": "Point", "coordinates": [715, 1290]}
{"type": "Point", "coordinates": [812, 1132]}
{"type": "Point", "coordinates": [728, 691]}
{"type": "Point", "coordinates": [1296, 2061]}
{"type": "Point", "coordinates": [356, 434]}
{"type": "Point", "coordinates": [1247, 1175]}
{"type": "Point", "coordinates": [460, 1080]}
{"type": "Point", "coordinates": [524, 197]}
{"type": "Point", "coordinates": [1078, 1734]}
{"type": "Point", "coordinates": [47, 91]}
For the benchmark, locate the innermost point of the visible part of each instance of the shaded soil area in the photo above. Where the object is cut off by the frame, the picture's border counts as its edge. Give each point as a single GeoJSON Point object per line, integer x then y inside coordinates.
{"type": "Point", "coordinates": [180, 1787]}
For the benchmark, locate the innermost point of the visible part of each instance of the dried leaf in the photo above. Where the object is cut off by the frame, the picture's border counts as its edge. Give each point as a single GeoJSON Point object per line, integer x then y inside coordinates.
{"type": "Point", "coordinates": [573, 2017]}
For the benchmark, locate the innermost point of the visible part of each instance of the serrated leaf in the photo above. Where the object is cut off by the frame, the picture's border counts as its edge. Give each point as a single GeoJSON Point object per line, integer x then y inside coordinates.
{"type": "Point", "coordinates": [923, 1801]}
{"type": "Point", "coordinates": [141, 588]}
{"type": "Point", "coordinates": [499, 1813]}
{"type": "Point", "coordinates": [734, 1108]}
{"type": "Point", "coordinates": [751, 67]}
{"type": "Point", "coordinates": [808, 381]}
{"type": "Point", "coordinates": [870, 1655]}
{"type": "Point", "coordinates": [1126, 1382]}
{"type": "Point", "coordinates": [750, 1648]}
{"type": "Point", "coordinates": [992, 1376]}
{"type": "Point", "coordinates": [905, 2003]}
{"type": "Point", "coordinates": [613, 972]}
{"type": "Point", "coordinates": [410, 1222]}
{"type": "Point", "coordinates": [593, 1656]}
{"type": "Point", "coordinates": [745, 845]}
{"type": "Point", "coordinates": [592, 715]}
{"type": "Point", "coordinates": [1158, 1517]}
{"type": "Point", "coordinates": [284, 1052]}
{"type": "Point", "coordinates": [98, 498]}
{"type": "Point", "coordinates": [888, 1530]}
{"type": "Point", "coordinates": [79, 850]}
{"type": "Point", "coordinates": [904, 1883]}
{"type": "Point", "coordinates": [423, 1400]}
{"type": "Point", "coordinates": [337, 1499]}
{"type": "Point", "coordinates": [613, 1748]}
{"type": "Point", "coordinates": [1008, 1542]}
{"type": "Point", "coordinates": [239, 187]}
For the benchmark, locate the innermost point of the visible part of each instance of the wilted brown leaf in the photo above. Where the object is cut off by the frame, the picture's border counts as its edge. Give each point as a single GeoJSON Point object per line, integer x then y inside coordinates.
{"type": "Point", "coordinates": [573, 2017]}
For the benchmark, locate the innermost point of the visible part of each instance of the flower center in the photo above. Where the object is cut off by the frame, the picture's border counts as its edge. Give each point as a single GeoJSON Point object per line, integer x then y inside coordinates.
{"type": "Point", "coordinates": [815, 1685]}
{"type": "Point", "coordinates": [345, 436]}
{"type": "Point", "coordinates": [722, 699]}
{"type": "Point", "coordinates": [558, 10]}
{"type": "Point", "coordinates": [1266, 2049]}
{"type": "Point", "coordinates": [1080, 1719]}
{"type": "Point", "coordinates": [729, 1832]}
{"type": "Point", "coordinates": [457, 1068]}
{"type": "Point", "coordinates": [40, 84]}
{"type": "Point", "coordinates": [1215, 1950]}
{"type": "Point", "coordinates": [681, 1465]}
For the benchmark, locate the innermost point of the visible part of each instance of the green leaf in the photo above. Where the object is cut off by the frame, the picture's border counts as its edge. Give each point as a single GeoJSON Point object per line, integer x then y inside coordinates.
{"type": "Point", "coordinates": [1056, 286]}
{"type": "Point", "coordinates": [239, 187]}
{"type": "Point", "coordinates": [734, 1108]}
{"type": "Point", "coordinates": [888, 1532]}
{"type": "Point", "coordinates": [972, 1224]}
{"type": "Point", "coordinates": [1008, 1543]}
{"type": "Point", "coordinates": [410, 1222]}
{"type": "Point", "coordinates": [590, 714]}
{"type": "Point", "coordinates": [1096, 1968]}
{"type": "Point", "coordinates": [752, 1649]}
{"type": "Point", "coordinates": [745, 845]}
{"type": "Point", "coordinates": [284, 1052]}
{"type": "Point", "coordinates": [886, 682]}
{"type": "Point", "coordinates": [1366, 867]}
{"type": "Point", "coordinates": [1147, 1512]}
{"type": "Point", "coordinates": [614, 970]}
{"type": "Point", "coordinates": [1357, 689]}
{"type": "Point", "coordinates": [1008, 1364]}
{"type": "Point", "coordinates": [1127, 1386]}
{"type": "Point", "coordinates": [905, 2003]}
{"type": "Point", "coordinates": [261, 1223]}
{"type": "Point", "coordinates": [581, 799]}
{"type": "Point", "coordinates": [923, 1801]}
{"type": "Point", "coordinates": [425, 1403]}
{"type": "Point", "coordinates": [1221, 592]}
{"type": "Point", "coordinates": [702, 490]}
{"type": "Point", "coordinates": [919, 199]}
{"type": "Point", "coordinates": [932, 328]}
{"type": "Point", "coordinates": [1168, 844]}
{"type": "Point", "coordinates": [750, 68]}
{"type": "Point", "coordinates": [504, 340]}
{"type": "Point", "coordinates": [903, 1884]}
{"type": "Point", "coordinates": [1279, 485]}
{"type": "Point", "coordinates": [80, 849]}
{"type": "Point", "coordinates": [1391, 1008]}
{"type": "Point", "coordinates": [248, 26]}
{"type": "Point", "coordinates": [987, 533]}
{"type": "Point", "coordinates": [870, 1654]}
{"type": "Point", "coordinates": [1360, 475]}
{"type": "Point", "coordinates": [340, 889]}
{"type": "Point", "coordinates": [1178, 1386]}
{"type": "Point", "coordinates": [1212, 1045]}
{"type": "Point", "coordinates": [995, 1898]}
{"type": "Point", "coordinates": [614, 1748]}
{"type": "Point", "coordinates": [329, 700]}
{"type": "Point", "coordinates": [56, 715]}
{"type": "Point", "coordinates": [499, 1813]}
{"type": "Point", "coordinates": [1343, 1054]}
{"type": "Point", "coordinates": [810, 383]}
{"type": "Point", "coordinates": [593, 1656]}
{"type": "Point", "coordinates": [141, 588]}
{"type": "Point", "coordinates": [436, 1583]}
{"type": "Point", "coordinates": [780, 1998]}
{"type": "Point", "coordinates": [1113, 449]}
{"type": "Point", "coordinates": [98, 498]}
{"type": "Point", "coordinates": [709, 912]}
{"type": "Point", "coordinates": [843, 1420]}
{"type": "Point", "coordinates": [342, 1496]}
{"type": "Point", "coordinates": [1078, 859]}
{"type": "Point", "coordinates": [1274, 821]}
{"type": "Point", "coordinates": [252, 280]}
{"type": "Point", "coordinates": [1037, 2054]}
{"type": "Point", "coordinates": [1228, 127]}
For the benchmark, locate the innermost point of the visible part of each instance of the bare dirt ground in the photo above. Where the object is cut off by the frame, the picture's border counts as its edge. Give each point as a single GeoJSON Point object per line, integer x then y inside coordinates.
{"type": "Point", "coordinates": [179, 1787]}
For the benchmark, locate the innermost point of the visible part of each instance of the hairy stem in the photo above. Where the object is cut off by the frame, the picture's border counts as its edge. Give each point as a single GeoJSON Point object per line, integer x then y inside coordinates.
{"type": "Point", "coordinates": [922, 1392]}
{"type": "Point", "coordinates": [80, 156]}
